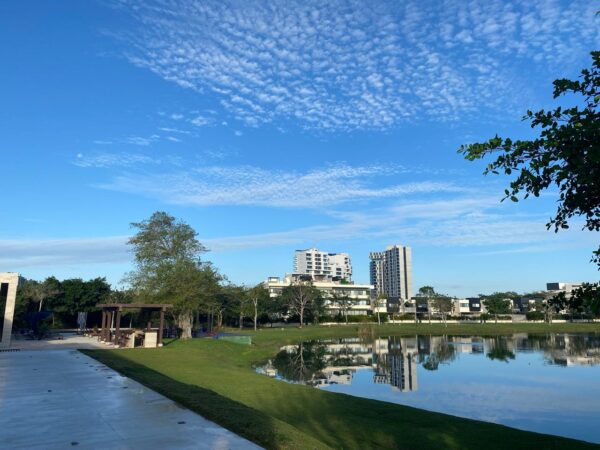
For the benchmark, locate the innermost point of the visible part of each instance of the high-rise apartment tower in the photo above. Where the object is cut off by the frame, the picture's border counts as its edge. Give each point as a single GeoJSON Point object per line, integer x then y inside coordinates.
{"type": "Point", "coordinates": [391, 272]}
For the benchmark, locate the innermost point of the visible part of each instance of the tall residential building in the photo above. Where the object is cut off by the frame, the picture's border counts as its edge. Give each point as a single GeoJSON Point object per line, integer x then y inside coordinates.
{"type": "Point", "coordinates": [376, 271]}
{"type": "Point", "coordinates": [314, 262]}
{"type": "Point", "coordinates": [391, 272]}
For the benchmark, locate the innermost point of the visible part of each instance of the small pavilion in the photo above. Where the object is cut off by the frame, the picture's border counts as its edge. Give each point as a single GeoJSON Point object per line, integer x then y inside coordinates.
{"type": "Point", "coordinates": [112, 311]}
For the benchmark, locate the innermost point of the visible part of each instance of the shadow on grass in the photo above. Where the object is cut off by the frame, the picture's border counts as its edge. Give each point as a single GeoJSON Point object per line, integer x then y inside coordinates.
{"type": "Point", "coordinates": [243, 420]}
{"type": "Point", "coordinates": [167, 342]}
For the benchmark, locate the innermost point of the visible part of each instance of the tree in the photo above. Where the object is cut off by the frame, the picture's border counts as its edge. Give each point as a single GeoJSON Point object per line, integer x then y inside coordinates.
{"type": "Point", "coordinates": [498, 303]}
{"type": "Point", "coordinates": [589, 295]}
{"type": "Point", "coordinates": [77, 296]}
{"type": "Point", "coordinates": [342, 302]}
{"type": "Point", "coordinates": [233, 301]}
{"type": "Point", "coordinates": [258, 296]}
{"type": "Point", "coordinates": [543, 306]}
{"type": "Point", "coordinates": [557, 303]}
{"type": "Point", "coordinates": [300, 297]}
{"type": "Point", "coordinates": [428, 293]}
{"type": "Point", "coordinates": [168, 266]}
{"type": "Point", "coordinates": [444, 305]}
{"type": "Point", "coordinates": [376, 303]}
{"type": "Point", "coordinates": [40, 292]}
{"type": "Point", "coordinates": [566, 155]}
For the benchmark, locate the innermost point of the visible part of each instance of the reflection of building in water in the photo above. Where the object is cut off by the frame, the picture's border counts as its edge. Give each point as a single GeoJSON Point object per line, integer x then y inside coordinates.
{"type": "Point", "coordinates": [394, 360]}
{"type": "Point", "coordinates": [397, 365]}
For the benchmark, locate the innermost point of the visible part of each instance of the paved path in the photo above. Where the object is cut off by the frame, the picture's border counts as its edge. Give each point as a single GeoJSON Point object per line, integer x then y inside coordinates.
{"type": "Point", "coordinates": [62, 399]}
{"type": "Point", "coordinates": [60, 341]}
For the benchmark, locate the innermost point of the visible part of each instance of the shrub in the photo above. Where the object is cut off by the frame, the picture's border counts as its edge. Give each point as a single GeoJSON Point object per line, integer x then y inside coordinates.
{"type": "Point", "coordinates": [357, 318]}
{"type": "Point", "coordinates": [534, 315]}
{"type": "Point", "coordinates": [405, 316]}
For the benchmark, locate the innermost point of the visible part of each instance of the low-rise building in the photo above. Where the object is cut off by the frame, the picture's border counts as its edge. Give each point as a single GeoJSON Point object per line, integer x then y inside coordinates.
{"type": "Point", "coordinates": [557, 287]}
{"type": "Point", "coordinates": [359, 295]}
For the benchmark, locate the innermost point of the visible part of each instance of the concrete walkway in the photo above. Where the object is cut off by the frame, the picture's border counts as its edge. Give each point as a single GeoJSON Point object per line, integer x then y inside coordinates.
{"type": "Point", "coordinates": [62, 399]}
{"type": "Point", "coordinates": [59, 341]}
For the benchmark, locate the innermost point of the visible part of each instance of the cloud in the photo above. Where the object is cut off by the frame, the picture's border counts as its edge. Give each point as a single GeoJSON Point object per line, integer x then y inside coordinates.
{"type": "Point", "coordinates": [67, 251]}
{"type": "Point", "coordinates": [248, 185]}
{"type": "Point", "coordinates": [139, 140]}
{"type": "Point", "coordinates": [455, 223]}
{"type": "Point", "coordinates": [342, 65]}
{"type": "Point", "coordinates": [105, 160]}
{"type": "Point", "coordinates": [201, 121]}
{"type": "Point", "coordinates": [462, 222]}
{"type": "Point", "coordinates": [173, 130]}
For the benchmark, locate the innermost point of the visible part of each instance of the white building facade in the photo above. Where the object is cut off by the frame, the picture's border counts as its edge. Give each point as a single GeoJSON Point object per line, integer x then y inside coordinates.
{"type": "Point", "coordinates": [359, 295]}
{"type": "Point", "coordinates": [315, 262]}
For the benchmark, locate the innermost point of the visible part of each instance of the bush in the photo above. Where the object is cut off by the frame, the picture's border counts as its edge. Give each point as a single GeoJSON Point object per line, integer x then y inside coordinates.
{"type": "Point", "coordinates": [534, 315]}
{"type": "Point", "coordinates": [405, 316]}
{"type": "Point", "coordinates": [329, 319]}
{"type": "Point", "coordinates": [357, 318]}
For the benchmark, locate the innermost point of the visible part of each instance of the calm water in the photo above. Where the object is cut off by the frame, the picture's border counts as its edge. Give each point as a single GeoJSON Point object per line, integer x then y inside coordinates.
{"type": "Point", "coordinates": [544, 383]}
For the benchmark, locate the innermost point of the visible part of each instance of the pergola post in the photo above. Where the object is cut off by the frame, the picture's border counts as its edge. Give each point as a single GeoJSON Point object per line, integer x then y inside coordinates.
{"type": "Point", "coordinates": [161, 326]}
{"type": "Point", "coordinates": [109, 327]}
{"type": "Point", "coordinates": [118, 327]}
{"type": "Point", "coordinates": [103, 329]}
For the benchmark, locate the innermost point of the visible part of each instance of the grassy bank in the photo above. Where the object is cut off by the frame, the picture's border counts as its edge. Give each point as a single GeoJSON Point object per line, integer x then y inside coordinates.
{"type": "Point", "coordinates": [216, 379]}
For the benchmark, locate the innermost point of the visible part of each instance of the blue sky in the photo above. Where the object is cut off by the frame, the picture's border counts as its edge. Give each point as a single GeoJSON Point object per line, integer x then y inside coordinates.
{"type": "Point", "coordinates": [275, 126]}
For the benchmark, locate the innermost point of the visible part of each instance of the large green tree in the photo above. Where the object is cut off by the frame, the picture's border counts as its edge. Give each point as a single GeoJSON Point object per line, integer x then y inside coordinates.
{"type": "Point", "coordinates": [498, 303]}
{"type": "Point", "coordinates": [565, 156]}
{"type": "Point", "coordinates": [38, 292]}
{"type": "Point", "coordinates": [168, 267]}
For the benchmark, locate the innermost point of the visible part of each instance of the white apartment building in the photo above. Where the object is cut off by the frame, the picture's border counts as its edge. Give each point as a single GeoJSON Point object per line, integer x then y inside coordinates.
{"type": "Point", "coordinates": [567, 288]}
{"type": "Point", "coordinates": [314, 262]}
{"type": "Point", "coordinates": [391, 272]}
{"type": "Point", "coordinates": [359, 294]}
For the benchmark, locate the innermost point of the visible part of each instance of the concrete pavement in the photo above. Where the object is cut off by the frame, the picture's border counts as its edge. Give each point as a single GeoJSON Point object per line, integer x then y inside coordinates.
{"type": "Point", "coordinates": [62, 399]}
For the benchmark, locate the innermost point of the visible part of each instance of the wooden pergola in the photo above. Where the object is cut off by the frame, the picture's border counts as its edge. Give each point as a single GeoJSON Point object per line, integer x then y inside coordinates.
{"type": "Point", "coordinates": [114, 310]}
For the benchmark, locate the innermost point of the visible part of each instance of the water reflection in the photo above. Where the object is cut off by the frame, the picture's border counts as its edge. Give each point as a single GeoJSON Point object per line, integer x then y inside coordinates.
{"type": "Point", "coordinates": [546, 383]}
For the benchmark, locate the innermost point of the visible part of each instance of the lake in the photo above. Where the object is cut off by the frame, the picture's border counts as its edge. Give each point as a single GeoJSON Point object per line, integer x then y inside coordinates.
{"type": "Point", "coordinates": [545, 383]}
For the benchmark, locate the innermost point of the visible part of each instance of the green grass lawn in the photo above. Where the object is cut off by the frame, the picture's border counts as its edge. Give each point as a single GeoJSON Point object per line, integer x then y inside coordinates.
{"type": "Point", "coordinates": [216, 379]}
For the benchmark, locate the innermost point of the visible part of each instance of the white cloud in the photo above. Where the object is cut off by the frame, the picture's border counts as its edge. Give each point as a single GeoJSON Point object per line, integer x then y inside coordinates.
{"type": "Point", "coordinates": [201, 121]}
{"type": "Point", "coordinates": [140, 140]}
{"type": "Point", "coordinates": [341, 65]}
{"type": "Point", "coordinates": [459, 222]}
{"type": "Point", "coordinates": [173, 130]}
{"type": "Point", "coordinates": [67, 251]}
{"type": "Point", "coordinates": [104, 160]}
{"type": "Point", "coordinates": [248, 185]}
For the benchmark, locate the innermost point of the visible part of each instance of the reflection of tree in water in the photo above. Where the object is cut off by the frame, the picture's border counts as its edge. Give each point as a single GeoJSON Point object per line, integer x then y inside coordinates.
{"type": "Point", "coordinates": [302, 362]}
{"type": "Point", "coordinates": [438, 351]}
{"type": "Point", "coordinates": [499, 349]}
{"type": "Point", "coordinates": [564, 349]}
